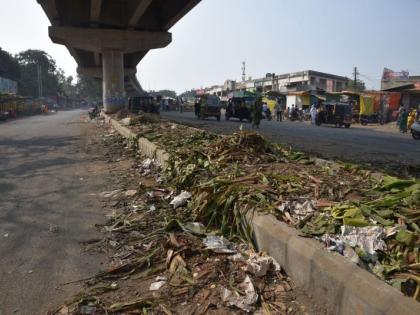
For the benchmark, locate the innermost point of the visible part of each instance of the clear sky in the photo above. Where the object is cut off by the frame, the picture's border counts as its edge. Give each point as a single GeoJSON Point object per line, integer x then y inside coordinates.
{"type": "Point", "coordinates": [278, 36]}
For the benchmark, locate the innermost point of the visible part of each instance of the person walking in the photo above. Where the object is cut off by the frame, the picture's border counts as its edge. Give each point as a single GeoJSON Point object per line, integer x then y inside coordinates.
{"type": "Point", "coordinates": [314, 114]}
{"type": "Point", "coordinates": [279, 110]}
{"type": "Point", "coordinates": [400, 110]}
{"type": "Point", "coordinates": [411, 118]}
{"type": "Point", "coordinates": [257, 109]}
{"type": "Point", "coordinates": [403, 121]}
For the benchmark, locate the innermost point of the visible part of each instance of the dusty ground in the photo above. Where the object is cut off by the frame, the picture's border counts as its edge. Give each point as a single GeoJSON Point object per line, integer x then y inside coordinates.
{"type": "Point", "coordinates": [49, 178]}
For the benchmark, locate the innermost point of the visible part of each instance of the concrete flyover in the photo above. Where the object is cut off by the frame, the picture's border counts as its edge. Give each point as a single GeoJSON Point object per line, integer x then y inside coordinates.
{"type": "Point", "coordinates": [108, 38]}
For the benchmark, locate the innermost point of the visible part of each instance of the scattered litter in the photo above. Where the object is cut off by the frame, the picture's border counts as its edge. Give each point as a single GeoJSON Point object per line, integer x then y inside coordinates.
{"type": "Point", "coordinates": [181, 199]}
{"type": "Point", "coordinates": [147, 163]}
{"type": "Point", "coordinates": [299, 209]}
{"type": "Point", "coordinates": [195, 228]}
{"type": "Point", "coordinates": [245, 302]}
{"type": "Point", "coordinates": [259, 265]}
{"type": "Point", "coordinates": [219, 244]}
{"type": "Point", "coordinates": [6, 235]}
{"type": "Point", "coordinates": [369, 239]}
{"type": "Point", "coordinates": [160, 282]}
{"type": "Point", "coordinates": [126, 121]}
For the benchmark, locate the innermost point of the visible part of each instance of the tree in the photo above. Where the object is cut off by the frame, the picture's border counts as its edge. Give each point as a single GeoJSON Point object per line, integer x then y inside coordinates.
{"type": "Point", "coordinates": [68, 87]}
{"type": "Point", "coordinates": [166, 93]}
{"type": "Point", "coordinates": [31, 61]}
{"type": "Point", "coordinates": [9, 66]}
{"type": "Point", "coordinates": [360, 85]}
{"type": "Point", "coordinates": [88, 87]}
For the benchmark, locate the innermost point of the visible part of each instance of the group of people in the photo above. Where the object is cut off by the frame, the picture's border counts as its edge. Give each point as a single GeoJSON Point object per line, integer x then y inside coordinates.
{"type": "Point", "coordinates": [406, 119]}
{"type": "Point", "coordinates": [260, 109]}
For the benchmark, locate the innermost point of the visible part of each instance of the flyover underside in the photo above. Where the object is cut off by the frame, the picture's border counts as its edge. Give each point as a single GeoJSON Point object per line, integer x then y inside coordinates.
{"type": "Point", "coordinates": [109, 38]}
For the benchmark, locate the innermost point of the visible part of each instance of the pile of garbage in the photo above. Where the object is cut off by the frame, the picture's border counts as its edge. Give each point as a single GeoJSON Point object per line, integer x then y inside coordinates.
{"type": "Point", "coordinates": [163, 262]}
{"type": "Point", "coordinates": [371, 218]}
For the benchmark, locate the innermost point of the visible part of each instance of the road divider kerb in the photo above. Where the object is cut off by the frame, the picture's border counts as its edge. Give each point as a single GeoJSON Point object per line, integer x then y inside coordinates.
{"type": "Point", "coordinates": [333, 281]}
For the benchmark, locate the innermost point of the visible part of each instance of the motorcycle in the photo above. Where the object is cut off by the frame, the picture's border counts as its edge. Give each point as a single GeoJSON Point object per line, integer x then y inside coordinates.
{"type": "Point", "coordinates": [415, 130]}
{"type": "Point", "coordinates": [295, 115]}
{"type": "Point", "coordinates": [267, 114]}
{"type": "Point", "coordinates": [94, 112]}
{"type": "Point", "coordinates": [376, 118]}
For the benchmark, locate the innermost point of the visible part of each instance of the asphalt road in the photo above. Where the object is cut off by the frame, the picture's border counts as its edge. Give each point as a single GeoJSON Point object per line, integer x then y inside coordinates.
{"type": "Point", "coordinates": [356, 144]}
{"type": "Point", "coordinates": [47, 206]}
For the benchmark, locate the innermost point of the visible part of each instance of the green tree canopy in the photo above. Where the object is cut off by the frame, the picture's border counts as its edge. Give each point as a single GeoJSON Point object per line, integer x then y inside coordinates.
{"type": "Point", "coordinates": [29, 60]}
{"type": "Point", "coordinates": [9, 66]}
{"type": "Point", "coordinates": [166, 93]}
{"type": "Point", "coordinates": [89, 88]}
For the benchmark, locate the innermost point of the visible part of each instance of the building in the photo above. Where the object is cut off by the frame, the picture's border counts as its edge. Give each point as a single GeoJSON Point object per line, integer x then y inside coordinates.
{"type": "Point", "coordinates": [402, 82]}
{"type": "Point", "coordinates": [299, 86]}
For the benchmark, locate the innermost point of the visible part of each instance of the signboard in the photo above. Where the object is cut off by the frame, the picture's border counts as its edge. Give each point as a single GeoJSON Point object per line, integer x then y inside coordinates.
{"type": "Point", "coordinates": [8, 86]}
{"type": "Point", "coordinates": [390, 75]}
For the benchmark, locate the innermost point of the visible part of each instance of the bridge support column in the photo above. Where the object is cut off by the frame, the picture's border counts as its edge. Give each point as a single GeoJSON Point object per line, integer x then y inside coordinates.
{"type": "Point", "coordinates": [114, 96]}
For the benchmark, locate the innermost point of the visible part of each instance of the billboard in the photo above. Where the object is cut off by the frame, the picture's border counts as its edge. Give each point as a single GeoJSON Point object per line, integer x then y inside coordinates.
{"type": "Point", "coordinates": [390, 75]}
{"type": "Point", "coordinates": [8, 86]}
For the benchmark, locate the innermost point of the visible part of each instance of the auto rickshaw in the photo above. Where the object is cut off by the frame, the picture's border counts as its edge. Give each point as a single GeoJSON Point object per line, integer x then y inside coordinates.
{"type": "Point", "coordinates": [208, 106]}
{"type": "Point", "coordinates": [240, 107]}
{"type": "Point", "coordinates": [335, 113]}
{"type": "Point", "coordinates": [145, 104]}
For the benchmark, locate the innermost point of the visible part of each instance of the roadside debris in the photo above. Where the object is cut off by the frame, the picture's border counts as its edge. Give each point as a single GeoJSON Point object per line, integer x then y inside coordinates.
{"type": "Point", "coordinates": [166, 259]}
{"type": "Point", "coordinates": [240, 173]}
{"type": "Point", "coordinates": [181, 199]}
{"type": "Point", "coordinates": [219, 245]}
{"type": "Point", "coordinates": [181, 244]}
{"type": "Point", "coordinates": [245, 302]}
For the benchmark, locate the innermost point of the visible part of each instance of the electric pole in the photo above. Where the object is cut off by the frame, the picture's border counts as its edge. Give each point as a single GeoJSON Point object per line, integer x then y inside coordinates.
{"type": "Point", "coordinates": [355, 73]}
{"type": "Point", "coordinates": [243, 71]}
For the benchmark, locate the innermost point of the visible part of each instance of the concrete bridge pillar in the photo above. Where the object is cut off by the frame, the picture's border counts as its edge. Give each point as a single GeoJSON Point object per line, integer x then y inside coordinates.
{"type": "Point", "coordinates": [114, 96]}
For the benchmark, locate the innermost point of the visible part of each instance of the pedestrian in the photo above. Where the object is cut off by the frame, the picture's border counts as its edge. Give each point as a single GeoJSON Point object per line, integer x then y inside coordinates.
{"type": "Point", "coordinates": [314, 114]}
{"type": "Point", "coordinates": [279, 110]}
{"type": "Point", "coordinates": [403, 121]}
{"type": "Point", "coordinates": [286, 113]}
{"type": "Point", "coordinates": [257, 113]}
{"type": "Point", "coordinates": [400, 110]}
{"type": "Point", "coordinates": [411, 118]}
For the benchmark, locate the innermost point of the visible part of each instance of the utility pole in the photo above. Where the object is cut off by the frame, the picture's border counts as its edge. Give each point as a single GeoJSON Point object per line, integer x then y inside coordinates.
{"type": "Point", "coordinates": [355, 73]}
{"type": "Point", "coordinates": [39, 72]}
{"type": "Point", "coordinates": [243, 71]}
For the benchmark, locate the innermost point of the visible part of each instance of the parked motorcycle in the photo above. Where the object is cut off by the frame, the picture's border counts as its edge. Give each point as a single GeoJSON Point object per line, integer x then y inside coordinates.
{"type": "Point", "coordinates": [375, 118]}
{"type": "Point", "coordinates": [415, 130]}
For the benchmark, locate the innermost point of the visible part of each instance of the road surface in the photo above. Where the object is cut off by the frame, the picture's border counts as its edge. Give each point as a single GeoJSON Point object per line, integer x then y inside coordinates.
{"type": "Point", "coordinates": [357, 144]}
{"type": "Point", "coordinates": [47, 206]}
